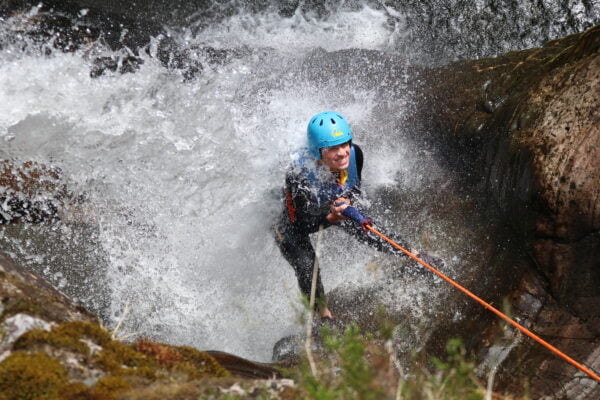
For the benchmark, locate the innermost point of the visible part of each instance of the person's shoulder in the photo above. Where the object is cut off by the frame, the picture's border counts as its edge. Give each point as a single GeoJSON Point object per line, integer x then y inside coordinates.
{"type": "Point", "coordinates": [299, 165]}
{"type": "Point", "coordinates": [357, 149]}
{"type": "Point", "coordinates": [358, 153]}
{"type": "Point", "coordinates": [301, 160]}
{"type": "Point", "coordinates": [358, 156]}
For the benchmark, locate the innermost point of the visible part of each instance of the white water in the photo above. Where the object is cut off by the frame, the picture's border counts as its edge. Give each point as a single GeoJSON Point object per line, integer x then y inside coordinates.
{"type": "Point", "coordinates": [367, 28]}
{"type": "Point", "coordinates": [183, 179]}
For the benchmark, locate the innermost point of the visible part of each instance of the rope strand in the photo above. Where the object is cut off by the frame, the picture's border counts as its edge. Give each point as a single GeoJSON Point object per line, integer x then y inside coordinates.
{"type": "Point", "coordinates": [490, 307]}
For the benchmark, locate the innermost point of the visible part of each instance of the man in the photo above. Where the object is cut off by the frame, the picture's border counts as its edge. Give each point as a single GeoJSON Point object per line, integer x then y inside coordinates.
{"type": "Point", "coordinates": [321, 182]}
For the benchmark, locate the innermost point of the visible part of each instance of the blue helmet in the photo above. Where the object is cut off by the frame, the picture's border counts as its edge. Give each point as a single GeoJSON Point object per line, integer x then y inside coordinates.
{"type": "Point", "coordinates": [327, 129]}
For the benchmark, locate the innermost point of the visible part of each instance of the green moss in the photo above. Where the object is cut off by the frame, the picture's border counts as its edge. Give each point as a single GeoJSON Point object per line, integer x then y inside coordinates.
{"type": "Point", "coordinates": [91, 331]}
{"type": "Point", "coordinates": [109, 363]}
{"type": "Point", "coordinates": [40, 337]}
{"type": "Point", "coordinates": [115, 358]}
{"type": "Point", "coordinates": [203, 363]}
{"type": "Point", "coordinates": [65, 336]}
{"type": "Point", "coordinates": [30, 376]}
{"type": "Point", "coordinates": [171, 391]}
{"type": "Point", "coordinates": [145, 372]}
{"type": "Point", "coordinates": [151, 360]}
{"type": "Point", "coordinates": [194, 363]}
{"type": "Point", "coordinates": [126, 366]}
{"type": "Point", "coordinates": [109, 388]}
{"type": "Point", "coordinates": [24, 306]}
{"type": "Point", "coordinates": [74, 391]}
{"type": "Point", "coordinates": [115, 355]}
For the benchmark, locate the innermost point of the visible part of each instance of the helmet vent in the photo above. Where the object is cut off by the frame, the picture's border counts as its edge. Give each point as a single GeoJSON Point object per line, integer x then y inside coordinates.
{"type": "Point", "coordinates": [332, 121]}
{"type": "Point", "coordinates": [321, 123]}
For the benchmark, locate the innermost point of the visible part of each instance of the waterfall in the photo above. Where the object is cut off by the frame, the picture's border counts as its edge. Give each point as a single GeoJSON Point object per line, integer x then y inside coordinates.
{"type": "Point", "coordinates": [181, 177]}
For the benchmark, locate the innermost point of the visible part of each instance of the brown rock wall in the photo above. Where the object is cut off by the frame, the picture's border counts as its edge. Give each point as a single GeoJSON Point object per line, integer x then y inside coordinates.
{"type": "Point", "coordinates": [527, 125]}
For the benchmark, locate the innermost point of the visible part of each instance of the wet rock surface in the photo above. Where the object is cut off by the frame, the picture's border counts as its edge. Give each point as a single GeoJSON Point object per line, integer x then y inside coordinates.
{"type": "Point", "coordinates": [68, 27]}
{"type": "Point", "coordinates": [26, 294]}
{"type": "Point", "coordinates": [437, 31]}
{"type": "Point", "coordinates": [29, 192]}
{"type": "Point", "coordinates": [526, 126]}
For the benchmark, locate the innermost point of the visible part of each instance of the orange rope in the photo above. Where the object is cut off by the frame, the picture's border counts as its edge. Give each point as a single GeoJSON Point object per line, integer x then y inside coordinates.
{"type": "Point", "coordinates": [489, 306]}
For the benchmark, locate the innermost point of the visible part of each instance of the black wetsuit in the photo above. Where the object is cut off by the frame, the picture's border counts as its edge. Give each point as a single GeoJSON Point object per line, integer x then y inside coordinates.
{"type": "Point", "coordinates": [303, 215]}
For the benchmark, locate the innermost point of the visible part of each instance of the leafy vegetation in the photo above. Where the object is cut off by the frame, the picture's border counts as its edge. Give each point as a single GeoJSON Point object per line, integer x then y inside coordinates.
{"type": "Point", "coordinates": [361, 367]}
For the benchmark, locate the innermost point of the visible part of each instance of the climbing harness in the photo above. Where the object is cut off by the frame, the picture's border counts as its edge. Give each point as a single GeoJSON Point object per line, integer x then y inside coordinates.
{"type": "Point", "coordinates": [357, 216]}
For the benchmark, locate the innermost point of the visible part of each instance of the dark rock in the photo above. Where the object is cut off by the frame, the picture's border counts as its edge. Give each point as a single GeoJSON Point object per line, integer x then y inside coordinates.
{"type": "Point", "coordinates": [526, 125]}
{"type": "Point", "coordinates": [122, 65]}
{"type": "Point", "coordinates": [60, 32]}
{"type": "Point", "coordinates": [67, 29]}
{"type": "Point", "coordinates": [287, 349]}
{"type": "Point", "coordinates": [69, 26]}
{"type": "Point", "coordinates": [26, 293]}
{"type": "Point", "coordinates": [245, 368]}
{"type": "Point", "coordinates": [29, 193]}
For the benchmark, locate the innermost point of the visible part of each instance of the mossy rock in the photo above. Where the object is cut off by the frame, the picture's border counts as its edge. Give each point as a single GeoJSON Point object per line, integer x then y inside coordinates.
{"type": "Point", "coordinates": [26, 376]}
{"type": "Point", "coordinates": [24, 292]}
{"type": "Point", "coordinates": [109, 388]}
{"type": "Point", "coordinates": [121, 359]}
{"type": "Point", "coordinates": [126, 366]}
{"type": "Point", "coordinates": [196, 364]}
{"type": "Point", "coordinates": [24, 306]}
{"type": "Point", "coordinates": [66, 336]}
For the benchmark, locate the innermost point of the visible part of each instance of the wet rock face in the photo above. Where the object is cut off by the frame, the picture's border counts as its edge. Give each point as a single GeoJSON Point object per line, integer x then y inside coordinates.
{"type": "Point", "coordinates": [29, 192]}
{"type": "Point", "coordinates": [560, 128]}
{"type": "Point", "coordinates": [526, 125]}
{"type": "Point", "coordinates": [565, 142]}
{"type": "Point", "coordinates": [565, 146]}
{"type": "Point", "coordinates": [553, 146]}
{"type": "Point", "coordinates": [69, 26]}
{"type": "Point", "coordinates": [25, 294]}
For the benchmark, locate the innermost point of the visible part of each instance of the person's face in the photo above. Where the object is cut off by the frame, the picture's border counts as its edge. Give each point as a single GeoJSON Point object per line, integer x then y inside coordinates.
{"type": "Point", "coordinates": [337, 157]}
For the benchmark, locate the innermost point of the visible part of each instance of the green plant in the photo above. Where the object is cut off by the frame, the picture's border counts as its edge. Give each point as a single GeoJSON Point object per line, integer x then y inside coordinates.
{"type": "Point", "coordinates": [451, 379]}
{"type": "Point", "coordinates": [355, 366]}
{"type": "Point", "coordinates": [347, 369]}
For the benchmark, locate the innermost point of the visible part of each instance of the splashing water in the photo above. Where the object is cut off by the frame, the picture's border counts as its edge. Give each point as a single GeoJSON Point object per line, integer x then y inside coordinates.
{"type": "Point", "coordinates": [182, 179]}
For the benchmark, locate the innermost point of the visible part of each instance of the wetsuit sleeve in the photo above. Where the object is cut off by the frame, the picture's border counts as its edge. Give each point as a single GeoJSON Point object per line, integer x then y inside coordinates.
{"type": "Point", "coordinates": [301, 211]}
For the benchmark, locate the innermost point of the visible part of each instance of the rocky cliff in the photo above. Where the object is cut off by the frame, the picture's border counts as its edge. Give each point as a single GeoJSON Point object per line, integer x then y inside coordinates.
{"type": "Point", "coordinates": [526, 127]}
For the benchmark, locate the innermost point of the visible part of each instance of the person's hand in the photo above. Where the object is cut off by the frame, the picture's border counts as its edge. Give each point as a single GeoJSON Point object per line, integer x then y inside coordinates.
{"type": "Point", "coordinates": [336, 208]}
